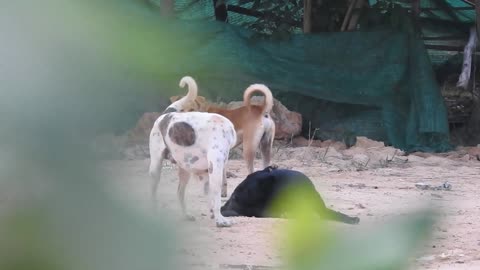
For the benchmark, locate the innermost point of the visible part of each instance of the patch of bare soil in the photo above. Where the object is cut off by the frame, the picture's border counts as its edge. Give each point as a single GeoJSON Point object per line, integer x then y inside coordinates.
{"type": "Point", "coordinates": [368, 180]}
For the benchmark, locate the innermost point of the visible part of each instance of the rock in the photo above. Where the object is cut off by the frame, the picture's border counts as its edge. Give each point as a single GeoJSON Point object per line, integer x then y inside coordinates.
{"type": "Point", "coordinates": [333, 153]}
{"type": "Point", "coordinates": [109, 146]}
{"type": "Point", "coordinates": [360, 185]}
{"type": "Point", "coordinates": [359, 205]}
{"type": "Point", "coordinates": [136, 152]}
{"type": "Point", "coordinates": [445, 186]}
{"type": "Point", "coordinates": [236, 153]}
{"type": "Point", "coordinates": [472, 152]}
{"type": "Point", "coordinates": [339, 146]}
{"type": "Point", "coordinates": [466, 157]}
{"type": "Point", "coordinates": [422, 186]}
{"type": "Point", "coordinates": [361, 159]}
{"type": "Point", "coordinates": [140, 134]}
{"type": "Point", "coordinates": [365, 142]}
{"type": "Point", "coordinates": [231, 175]}
{"type": "Point", "coordinates": [302, 141]}
{"type": "Point", "coordinates": [421, 154]}
{"type": "Point", "coordinates": [427, 258]}
{"type": "Point", "coordinates": [288, 124]}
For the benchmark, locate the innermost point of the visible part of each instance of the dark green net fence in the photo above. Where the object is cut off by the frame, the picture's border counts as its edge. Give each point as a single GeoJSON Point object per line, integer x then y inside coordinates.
{"type": "Point", "coordinates": [378, 84]}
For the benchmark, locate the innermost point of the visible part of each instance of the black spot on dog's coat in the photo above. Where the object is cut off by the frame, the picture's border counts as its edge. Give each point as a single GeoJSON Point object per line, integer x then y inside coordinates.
{"type": "Point", "coordinates": [194, 159]}
{"type": "Point", "coordinates": [182, 133]}
{"type": "Point", "coordinates": [164, 124]}
{"type": "Point", "coordinates": [169, 110]}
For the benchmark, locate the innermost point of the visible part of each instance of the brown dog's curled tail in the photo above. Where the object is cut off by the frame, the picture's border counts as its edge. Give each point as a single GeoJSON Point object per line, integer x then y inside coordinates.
{"type": "Point", "coordinates": [247, 96]}
{"type": "Point", "coordinates": [192, 89]}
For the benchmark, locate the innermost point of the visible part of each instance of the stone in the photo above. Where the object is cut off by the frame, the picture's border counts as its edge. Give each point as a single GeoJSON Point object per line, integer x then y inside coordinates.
{"type": "Point", "coordinates": [366, 143]}
{"type": "Point", "coordinates": [301, 141]}
{"type": "Point", "coordinates": [140, 134]}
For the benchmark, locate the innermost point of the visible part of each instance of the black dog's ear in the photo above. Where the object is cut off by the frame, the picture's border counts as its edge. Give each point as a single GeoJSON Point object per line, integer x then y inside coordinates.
{"type": "Point", "coordinates": [271, 168]}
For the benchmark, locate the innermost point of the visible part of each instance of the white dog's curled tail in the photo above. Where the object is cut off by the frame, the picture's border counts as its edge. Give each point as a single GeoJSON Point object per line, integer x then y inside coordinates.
{"type": "Point", "coordinates": [192, 89]}
{"type": "Point", "coordinates": [247, 96]}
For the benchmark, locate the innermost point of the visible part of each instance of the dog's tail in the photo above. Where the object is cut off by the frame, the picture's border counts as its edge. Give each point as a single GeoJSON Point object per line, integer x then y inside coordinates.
{"type": "Point", "coordinates": [192, 90]}
{"type": "Point", "coordinates": [338, 216]}
{"type": "Point", "coordinates": [329, 214]}
{"type": "Point", "coordinates": [247, 95]}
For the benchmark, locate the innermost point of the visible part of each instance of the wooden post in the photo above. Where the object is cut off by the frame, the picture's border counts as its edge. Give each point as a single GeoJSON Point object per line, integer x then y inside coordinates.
{"type": "Point", "coordinates": [470, 48]}
{"type": "Point", "coordinates": [348, 15]}
{"type": "Point", "coordinates": [474, 121]}
{"type": "Point", "coordinates": [477, 14]}
{"type": "Point", "coordinates": [415, 15]}
{"type": "Point", "coordinates": [416, 8]}
{"type": "Point", "coordinates": [220, 10]}
{"type": "Point", "coordinates": [352, 24]}
{"type": "Point", "coordinates": [307, 16]}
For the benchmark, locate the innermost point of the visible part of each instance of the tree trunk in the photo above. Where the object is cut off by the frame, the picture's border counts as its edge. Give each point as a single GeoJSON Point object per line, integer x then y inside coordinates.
{"type": "Point", "coordinates": [474, 122]}
{"type": "Point", "coordinates": [348, 15]}
{"type": "Point", "coordinates": [307, 16]}
{"type": "Point", "coordinates": [352, 24]}
{"type": "Point", "coordinates": [464, 78]}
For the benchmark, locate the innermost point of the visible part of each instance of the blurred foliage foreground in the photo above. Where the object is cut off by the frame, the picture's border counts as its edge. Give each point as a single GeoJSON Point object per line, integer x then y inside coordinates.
{"type": "Point", "coordinates": [65, 66]}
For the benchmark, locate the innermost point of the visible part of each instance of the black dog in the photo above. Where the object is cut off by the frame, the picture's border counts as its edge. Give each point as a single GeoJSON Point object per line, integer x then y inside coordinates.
{"type": "Point", "coordinates": [255, 195]}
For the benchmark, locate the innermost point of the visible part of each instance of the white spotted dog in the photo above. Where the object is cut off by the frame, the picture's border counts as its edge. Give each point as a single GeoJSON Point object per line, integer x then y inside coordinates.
{"type": "Point", "coordinates": [253, 124]}
{"type": "Point", "coordinates": [199, 143]}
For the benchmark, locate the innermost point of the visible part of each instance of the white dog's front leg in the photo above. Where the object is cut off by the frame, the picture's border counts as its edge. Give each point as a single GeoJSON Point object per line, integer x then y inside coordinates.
{"type": "Point", "coordinates": [215, 175]}
{"type": "Point", "coordinates": [224, 182]}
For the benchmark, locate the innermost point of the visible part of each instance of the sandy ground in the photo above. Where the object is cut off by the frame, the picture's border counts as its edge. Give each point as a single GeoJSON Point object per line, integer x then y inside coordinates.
{"type": "Point", "coordinates": [370, 181]}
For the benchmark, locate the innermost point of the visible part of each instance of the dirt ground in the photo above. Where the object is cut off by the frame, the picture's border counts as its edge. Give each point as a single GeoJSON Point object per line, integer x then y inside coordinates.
{"type": "Point", "coordinates": [368, 180]}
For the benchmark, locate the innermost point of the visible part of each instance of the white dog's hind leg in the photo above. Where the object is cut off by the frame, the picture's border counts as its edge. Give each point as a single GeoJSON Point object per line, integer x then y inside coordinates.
{"type": "Point", "coordinates": [215, 174]}
{"type": "Point", "coordinates": [183, 177]}
{"type": "Point", "coordinates": [155, 171]}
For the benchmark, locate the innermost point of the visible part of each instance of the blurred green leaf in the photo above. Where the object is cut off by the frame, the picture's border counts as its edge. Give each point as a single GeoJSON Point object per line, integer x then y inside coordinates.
{"type": "Point", "coordinates": [388, 246]}
{"type": "Point", "coordinates": [70, 66]}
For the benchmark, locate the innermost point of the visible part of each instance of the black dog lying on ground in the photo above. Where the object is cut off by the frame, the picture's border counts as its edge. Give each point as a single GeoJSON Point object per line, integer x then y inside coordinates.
{"type": "Point", "coordinates": [254, 196]}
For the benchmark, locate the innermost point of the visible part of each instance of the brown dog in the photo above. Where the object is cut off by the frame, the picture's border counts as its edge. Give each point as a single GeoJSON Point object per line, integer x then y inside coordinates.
{"type": "Point", "coordinates": [253, 124]}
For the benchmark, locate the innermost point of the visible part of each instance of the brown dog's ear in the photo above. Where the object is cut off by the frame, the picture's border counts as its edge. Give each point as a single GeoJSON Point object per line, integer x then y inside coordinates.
{"type": "Point", "coordinates": [200, 103]}
{"type": "Point", "coordinates": [272, 167]}
{"type": "Point", "coordinates": [201, 99]}
{"type": "Point", "coordinates": [174, 98]}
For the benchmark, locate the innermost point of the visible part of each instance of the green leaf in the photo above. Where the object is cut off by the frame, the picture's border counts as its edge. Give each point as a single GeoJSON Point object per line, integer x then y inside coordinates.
{"type": "Point", "coordinates": [382, 247]}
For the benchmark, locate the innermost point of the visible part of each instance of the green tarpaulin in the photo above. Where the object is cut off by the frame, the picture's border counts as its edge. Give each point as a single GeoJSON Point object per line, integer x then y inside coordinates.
{"type": "Point", "coordinates": [378, 84]}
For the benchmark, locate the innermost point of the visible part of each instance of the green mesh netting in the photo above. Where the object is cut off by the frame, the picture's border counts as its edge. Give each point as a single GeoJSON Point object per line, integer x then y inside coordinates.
{"type": "Point", "coordinates": [378, 84]}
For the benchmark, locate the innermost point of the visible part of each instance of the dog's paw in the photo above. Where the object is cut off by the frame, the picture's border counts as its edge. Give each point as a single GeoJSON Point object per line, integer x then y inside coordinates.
{"type": "Point", "coordinates": [221, 223]}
